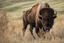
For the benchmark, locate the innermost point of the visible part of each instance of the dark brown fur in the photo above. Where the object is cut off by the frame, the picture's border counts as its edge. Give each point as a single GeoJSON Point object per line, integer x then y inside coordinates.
{"type": "Point", "coordinates": [31, 17]}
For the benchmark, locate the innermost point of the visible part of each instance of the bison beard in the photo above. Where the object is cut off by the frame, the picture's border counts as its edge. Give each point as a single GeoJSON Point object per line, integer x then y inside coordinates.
{"type": "Point", "coordinates": [40, 15]}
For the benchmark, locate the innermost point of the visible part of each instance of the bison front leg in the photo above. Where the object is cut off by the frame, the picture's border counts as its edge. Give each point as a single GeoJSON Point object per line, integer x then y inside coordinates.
{"type": "Point", "coordinates": [31, 31]}
{"type": "Point", "coordinates": [37, 30]}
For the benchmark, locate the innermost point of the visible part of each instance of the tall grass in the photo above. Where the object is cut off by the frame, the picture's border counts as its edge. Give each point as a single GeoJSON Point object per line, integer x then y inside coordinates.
{"type": "Point", "coordinates": [3, 25]}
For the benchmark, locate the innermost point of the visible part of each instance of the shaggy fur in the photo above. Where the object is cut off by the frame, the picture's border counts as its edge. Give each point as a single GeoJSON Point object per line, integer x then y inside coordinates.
{"type": "Point", "coordinates": [32, 18]}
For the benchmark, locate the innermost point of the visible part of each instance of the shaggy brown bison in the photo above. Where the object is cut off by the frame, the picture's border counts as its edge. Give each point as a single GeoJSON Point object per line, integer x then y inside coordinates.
{"type": "Point", "coordinates": [40, 15]}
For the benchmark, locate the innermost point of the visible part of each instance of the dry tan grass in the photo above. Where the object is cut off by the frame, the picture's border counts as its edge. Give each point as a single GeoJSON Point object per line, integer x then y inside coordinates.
{"type": "Point", "coordinates": [3, 25]}
{"type": "Point", "coordinates": [13, 32]}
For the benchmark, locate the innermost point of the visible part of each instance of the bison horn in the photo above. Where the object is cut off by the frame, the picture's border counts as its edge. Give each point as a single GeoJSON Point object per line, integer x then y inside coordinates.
{"type": "Point", "coordinates": [40, 16]}
{"type": "Point", "coordinates": [55, 14]}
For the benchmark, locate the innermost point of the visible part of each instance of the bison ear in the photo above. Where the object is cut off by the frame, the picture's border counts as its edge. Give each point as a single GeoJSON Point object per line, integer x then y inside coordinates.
{"type": "Point", "coordinates": [55, 14]}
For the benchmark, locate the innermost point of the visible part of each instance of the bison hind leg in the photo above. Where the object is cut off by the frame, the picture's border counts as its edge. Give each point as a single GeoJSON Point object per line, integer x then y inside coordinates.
{"type": "Point", "coordinates": [24, 28]}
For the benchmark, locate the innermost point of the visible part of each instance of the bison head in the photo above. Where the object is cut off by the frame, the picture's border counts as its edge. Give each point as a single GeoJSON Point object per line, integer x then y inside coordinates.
{"type": "Point", "coordinates": [47, 16]}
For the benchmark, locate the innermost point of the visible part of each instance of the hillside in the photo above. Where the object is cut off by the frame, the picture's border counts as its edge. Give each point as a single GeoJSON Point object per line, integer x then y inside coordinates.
{"type": "Point", "coordinates": [16, 8]}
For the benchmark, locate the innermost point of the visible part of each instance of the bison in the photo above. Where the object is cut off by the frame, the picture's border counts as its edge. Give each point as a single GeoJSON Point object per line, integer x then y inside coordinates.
{"type": "Point", "coordinates": [39, 16]}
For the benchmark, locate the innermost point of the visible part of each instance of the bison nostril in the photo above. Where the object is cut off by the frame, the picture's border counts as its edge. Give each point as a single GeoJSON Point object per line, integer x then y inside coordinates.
{"type": "Point", "coordinates": [47, 25]}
